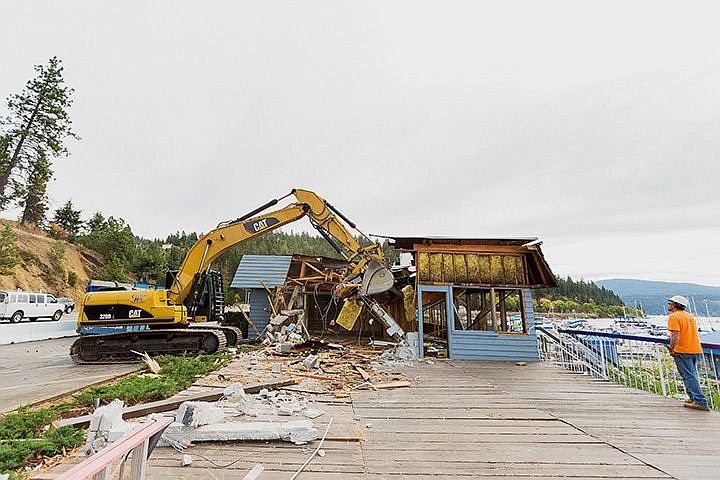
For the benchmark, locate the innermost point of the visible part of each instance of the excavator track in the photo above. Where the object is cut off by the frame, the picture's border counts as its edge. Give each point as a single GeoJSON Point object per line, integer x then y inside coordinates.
{"type": "Point", "coordinates": [119, 347]}
{"type": "Point", "coordinates": [232, 334]}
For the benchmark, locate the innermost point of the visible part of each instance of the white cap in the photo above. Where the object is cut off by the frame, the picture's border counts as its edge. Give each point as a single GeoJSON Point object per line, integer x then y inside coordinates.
{"type": "Point", "coordinates": [680, 300]}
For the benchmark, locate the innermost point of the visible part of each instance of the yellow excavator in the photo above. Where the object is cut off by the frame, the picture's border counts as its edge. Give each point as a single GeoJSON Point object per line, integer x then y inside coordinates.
{"type": "Point", "coordinates": [194, 294]}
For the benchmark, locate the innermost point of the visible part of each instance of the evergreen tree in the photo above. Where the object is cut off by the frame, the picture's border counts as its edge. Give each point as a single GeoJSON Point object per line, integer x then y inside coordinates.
{"type": "Point", "coordinates": [38, 124]}
{"type": "Point", "coordinates": [8, 250]}
{"type": "Point", "coordinates": [57, 256]}
{"type": "Point", "coordinates": [33, 194]}
{"type": "Point", "coordinates": [114, 270]}
{"type": "Point", "coordinates": [69, 219]}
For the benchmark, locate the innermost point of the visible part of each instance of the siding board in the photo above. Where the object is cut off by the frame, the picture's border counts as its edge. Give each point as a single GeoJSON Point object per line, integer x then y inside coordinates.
{"type": "Point", "coordinates": [259, 311]}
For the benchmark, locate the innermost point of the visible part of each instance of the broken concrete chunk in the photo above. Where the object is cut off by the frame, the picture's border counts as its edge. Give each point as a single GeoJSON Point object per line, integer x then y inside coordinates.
{"type": "Point", "coordinates": [313, 413]}
{"type": "Point", "coordinates": [234, 390]}
{"type": "Point", "coordinates": [235, 397]}
{"type": "Point", "coordinates": [298, 432]}
{"type": "Point", "coordinates": [285, 409]}
{"type": "Point", "coordinates": [290, 406]}
{"type": "Point", "coordinates": [106, 426]}
{"type": "Point", "coordinates": [195, 414]}
{"type": "Point", "coordinates": [283, 347]}
{"type": "Point", "coordinates": [311, 361]}
{"type": "Point", "coordinates": [186, 460]}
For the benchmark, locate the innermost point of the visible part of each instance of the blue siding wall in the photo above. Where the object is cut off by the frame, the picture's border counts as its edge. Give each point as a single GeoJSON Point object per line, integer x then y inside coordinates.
{"type": "Point", "coordinates": [478, 345]}
{"type": "Point", "coordinates": [259, 311]}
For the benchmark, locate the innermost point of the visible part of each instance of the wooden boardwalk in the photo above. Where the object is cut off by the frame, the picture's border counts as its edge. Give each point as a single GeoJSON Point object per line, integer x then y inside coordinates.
{"type": "Point", "coordinates": [483, 420]}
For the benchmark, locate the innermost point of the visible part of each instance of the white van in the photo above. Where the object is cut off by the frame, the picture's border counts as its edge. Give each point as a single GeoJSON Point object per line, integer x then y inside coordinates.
{"type": "Point", "coordinates": [16, 305]}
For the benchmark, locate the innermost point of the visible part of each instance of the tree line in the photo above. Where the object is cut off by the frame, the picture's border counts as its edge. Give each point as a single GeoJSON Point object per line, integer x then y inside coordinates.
{"type": "Point", "coordinates": [132, 258]}
{"type": "Point", "coordinates": [580, 297]}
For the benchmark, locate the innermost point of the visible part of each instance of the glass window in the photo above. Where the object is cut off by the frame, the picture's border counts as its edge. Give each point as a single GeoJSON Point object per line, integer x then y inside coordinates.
{"type": "Point", "coordinates": [22, 298]}
{"type": "Point", "coordinates": [489, 309]}
{"type": "Point", "coordinates": [51, 299]}
{"type": "Point", "coordinates": [32, 297]}
{"type": "Point", "coordinates": [40, 298]}
{"type": "Point", "coordinates": [3, 297]}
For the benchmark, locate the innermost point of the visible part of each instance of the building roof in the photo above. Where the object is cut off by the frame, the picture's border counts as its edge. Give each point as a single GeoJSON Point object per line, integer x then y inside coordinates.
{"type": "Point", "coordinates": [270, 269]}
{"type": "Point", "coordinates": [408, 242]}
{"type": "Point", "coordinates": [539, 272]}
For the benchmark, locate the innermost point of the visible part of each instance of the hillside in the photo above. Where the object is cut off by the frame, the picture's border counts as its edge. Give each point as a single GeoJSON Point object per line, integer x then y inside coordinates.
{"type": "Point", "coordinates": [32, 272]}
{"type": "Point", "coordinates": [653, 294]}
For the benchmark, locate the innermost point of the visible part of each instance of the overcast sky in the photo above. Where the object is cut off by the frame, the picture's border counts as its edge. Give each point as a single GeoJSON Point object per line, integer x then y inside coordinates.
{"type": "Point", "coordinates": [592, 125]}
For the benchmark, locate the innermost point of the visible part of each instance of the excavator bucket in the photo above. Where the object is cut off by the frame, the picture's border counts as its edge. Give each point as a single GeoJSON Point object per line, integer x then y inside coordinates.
{"type": "Point", "coordinates": [377, 278]}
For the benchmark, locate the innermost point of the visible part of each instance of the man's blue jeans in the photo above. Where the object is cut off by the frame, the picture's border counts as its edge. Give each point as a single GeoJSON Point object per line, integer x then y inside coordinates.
{"type": "Point", "coordinates": [687, 367]}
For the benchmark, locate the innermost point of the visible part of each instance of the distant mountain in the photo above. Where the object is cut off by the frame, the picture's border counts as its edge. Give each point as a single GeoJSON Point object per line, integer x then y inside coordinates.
{"type": "Point", "coordinates": [653, 295]}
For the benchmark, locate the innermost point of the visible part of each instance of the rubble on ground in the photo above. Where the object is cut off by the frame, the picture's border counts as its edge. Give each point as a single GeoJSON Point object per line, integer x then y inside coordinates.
{"type": "Point", "coordinates": [297, 381]}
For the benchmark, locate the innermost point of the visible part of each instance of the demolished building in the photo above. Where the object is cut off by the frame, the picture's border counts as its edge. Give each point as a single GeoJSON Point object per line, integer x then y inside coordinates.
{"type": "Point", "coordinates": [474, 296]}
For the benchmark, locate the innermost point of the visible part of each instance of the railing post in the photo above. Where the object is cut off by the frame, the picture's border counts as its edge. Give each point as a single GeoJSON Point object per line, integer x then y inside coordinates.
{"type": "Point", "coordinates": [139, 461]}
{"type": "Point", "coordinates": [660, 369]}
{"type": "Point", "coordinates": [717, 383]}
{"type": "Point", "coordinates": [102, 475]}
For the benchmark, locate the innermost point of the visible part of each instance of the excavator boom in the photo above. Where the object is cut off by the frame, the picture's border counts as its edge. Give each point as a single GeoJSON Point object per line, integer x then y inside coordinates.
{"type": "Point", "coordinates": [192, 294]}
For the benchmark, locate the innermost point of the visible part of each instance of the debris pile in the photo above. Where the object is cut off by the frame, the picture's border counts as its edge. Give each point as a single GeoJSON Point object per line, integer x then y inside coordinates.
{"type": "Point", "coordinates": [263, 395]}
{"type": "Point", "coordinates": [286, 329]}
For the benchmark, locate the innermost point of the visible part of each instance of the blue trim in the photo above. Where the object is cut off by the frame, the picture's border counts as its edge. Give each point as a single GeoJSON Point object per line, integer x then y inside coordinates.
{"type": "Point", "coordinates": [429, 288]}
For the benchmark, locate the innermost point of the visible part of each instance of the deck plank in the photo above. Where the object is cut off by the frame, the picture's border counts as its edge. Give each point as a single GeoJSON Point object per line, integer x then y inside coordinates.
{"type": "Point", "coordinates": [482, 420]}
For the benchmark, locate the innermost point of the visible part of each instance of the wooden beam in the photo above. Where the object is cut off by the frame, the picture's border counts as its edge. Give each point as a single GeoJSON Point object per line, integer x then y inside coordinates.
{"type": "Point", "coordinates": [173, 403]}
{"type": "Point", "coordinates": [250, 322]}
{"type": "Point", "coordinates": [313, 268]}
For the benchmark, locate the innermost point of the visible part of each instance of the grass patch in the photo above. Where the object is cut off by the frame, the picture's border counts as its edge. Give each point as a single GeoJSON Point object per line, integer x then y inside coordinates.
{"type": "Point", "coordinates": [26, 435]}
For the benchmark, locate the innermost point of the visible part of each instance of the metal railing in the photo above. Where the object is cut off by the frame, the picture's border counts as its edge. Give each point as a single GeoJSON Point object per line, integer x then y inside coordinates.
{"type": "Point", "coordinates": [135, 445]}
{"type": "Point", "coordinates": [635, 361]}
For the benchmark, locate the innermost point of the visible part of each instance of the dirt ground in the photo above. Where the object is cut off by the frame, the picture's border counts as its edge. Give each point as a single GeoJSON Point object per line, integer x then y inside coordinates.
{"type": "Point", "coordinates": [31, 273]}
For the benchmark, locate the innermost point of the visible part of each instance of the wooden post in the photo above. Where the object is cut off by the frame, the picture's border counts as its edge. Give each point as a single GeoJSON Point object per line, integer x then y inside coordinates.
{"type": "Point", "coordinates": [139, 457]}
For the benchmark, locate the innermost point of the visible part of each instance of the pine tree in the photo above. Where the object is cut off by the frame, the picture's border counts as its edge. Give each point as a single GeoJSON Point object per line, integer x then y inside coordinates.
{"type": "Point", "coordinates": [33, 195]}
{"type": "Point", "coordinates": [69, 219]}
{"type": "Point", "coordinates": [8, 251]}
{"type": "Point", "coordinates": [57, 257]}
{"type": "Point", "coordinates": [38, 122]}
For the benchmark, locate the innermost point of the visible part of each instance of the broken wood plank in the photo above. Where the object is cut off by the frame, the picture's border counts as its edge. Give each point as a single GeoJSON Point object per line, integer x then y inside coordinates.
{"type": "Point", "coordinates": [318, 377]}
{"type": "Point", "coordinates": [247, 318]}
{"type": "Point", "coordinates": [173, 403]}
{"type": "Point", "coordinates": [396, 384]}
{"type": "Point", "coordinates": [363, 373]}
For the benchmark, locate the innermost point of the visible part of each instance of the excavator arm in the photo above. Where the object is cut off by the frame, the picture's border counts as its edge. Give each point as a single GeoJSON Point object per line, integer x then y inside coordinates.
{"type": "Point", "coordinates": [159, 313]}
{"type": "Point", "coordinates": [368, 261]}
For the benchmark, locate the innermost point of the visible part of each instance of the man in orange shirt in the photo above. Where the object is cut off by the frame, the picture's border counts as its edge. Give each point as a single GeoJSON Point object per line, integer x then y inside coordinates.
{"type": "Point", "coordinates": [686, 350]}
